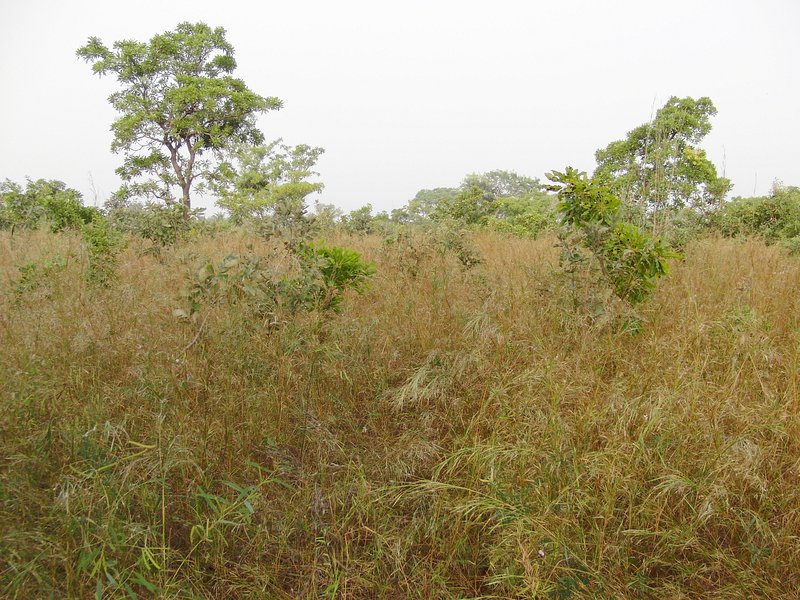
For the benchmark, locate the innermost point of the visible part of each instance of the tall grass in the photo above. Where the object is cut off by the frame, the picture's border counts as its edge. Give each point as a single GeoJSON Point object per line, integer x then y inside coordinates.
{"type": "Point", "coordinates": [452, 433]}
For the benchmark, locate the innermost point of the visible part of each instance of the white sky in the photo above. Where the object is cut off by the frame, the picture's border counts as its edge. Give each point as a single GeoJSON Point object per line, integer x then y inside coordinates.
{"type": "Point", "coordinates": [416, 94]}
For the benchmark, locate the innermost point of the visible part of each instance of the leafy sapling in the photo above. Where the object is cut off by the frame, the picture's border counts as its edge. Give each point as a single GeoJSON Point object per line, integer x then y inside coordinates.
{"type": "Point", "coordinates": [630, 261]}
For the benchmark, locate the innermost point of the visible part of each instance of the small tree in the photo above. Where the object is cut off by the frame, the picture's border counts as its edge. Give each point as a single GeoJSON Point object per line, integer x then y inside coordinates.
{"type": "Point", "coordinates": [180, 108]}
{"type": "Point", "coordinates": [260, 180]}
{"type": "Point", "coordinates": [359, 221]}
{"type": "Point", "coordinates": [629, 260]}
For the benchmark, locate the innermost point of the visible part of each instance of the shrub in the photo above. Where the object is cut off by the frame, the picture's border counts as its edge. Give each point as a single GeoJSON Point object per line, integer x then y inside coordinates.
{"type": "Point", "coordinates": [773, 218]}
{"type": "Point", "coordinates": [250, 283]}
{"type": "Point", "coordinates": [359, 221]}
{"type": "Point", "coordinates": [103, 244]}
{"type": "Point", "coordinates": [38, 276]}
{"type": "Point", "coordinates": [341, 269]}
{"type": "Point", "coordinates": [523, 217]}
{"type": "Point", "coordinates": [629, 260]}
{"type": "Point", "coordinates": [161, 224]}
{"type": "Point", "coordinates": [43, 200]}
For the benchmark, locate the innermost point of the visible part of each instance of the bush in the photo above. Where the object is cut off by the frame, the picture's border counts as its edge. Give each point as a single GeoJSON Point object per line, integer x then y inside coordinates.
{"type": "Point", "coordinates": [161, 224]}
{"type": "Point", "coordinates": [359, 221]}
{"type": "Point", "coordinates": [250, 283]}
{"type": "Point", "coordinates": [103, 244]}
{"type": "Point", "coordinates": [523, 217]}
{"type": "Point", "coordinates": [341, 269]}
{"type": "Point", "coordinates": [43, 200]}
{"type": "Point", "coordinates": [773, 218]}
{"type": "Point", "coordinates": [38, 276]}
{"type": "Point", "coordinates": [629, 260]}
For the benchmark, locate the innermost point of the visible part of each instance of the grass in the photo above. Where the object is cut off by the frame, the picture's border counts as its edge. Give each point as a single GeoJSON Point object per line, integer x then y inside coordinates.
{"type": "Point", "coordinates": [452, 433]}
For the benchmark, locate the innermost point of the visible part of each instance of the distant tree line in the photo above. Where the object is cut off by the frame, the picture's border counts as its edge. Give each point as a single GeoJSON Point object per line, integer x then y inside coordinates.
{"type": "Point", "coordinates": [187, 125]}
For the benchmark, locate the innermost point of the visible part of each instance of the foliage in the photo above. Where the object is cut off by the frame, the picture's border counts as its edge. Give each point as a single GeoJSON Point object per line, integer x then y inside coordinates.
{"type": "Point", "coordinates": [326, 216]}
{"type": "Point", "coordinates": [503, 184]}
{"type": "Point", "coordinates": [103, 245]}
{"type": "Point", "coordinates": [162, 224]}
{"type": "Point", "coordinates": [471, 206]}
{"type": "Point", "coordinates": [523, 217]}
{"type": "Point", "coordinates": [422, 207]}
{"type": "Point", "coordinates": [792, 245]}
{"type": "Point", "coordinates": [341, 269]}
{"type": "Point", "coordinates": [408, 249]}
{"type": "Point", "coordinates": [42, 200]}
{"type": "Point", "coordinates": [180, 107]}
{"type": "Point", "coordinates": [773, 218]}
{"type": "Point", "coordinates": [453, 239]}
{"type": "Point", "coordinates": [659, 164]}
{"type": "Point", "coordinates": [499, 200]}
{"type": "Point", "coordinates": [629, 260]}
{"type": "Point", "coordinates": [633, 261]}
{"type": "Point", "coordinates": [414, 250]}
{"type": "Point", "coordinates": [259, 180]}
{"type": "Point", "coordinates": [359, 221]}
{"type": "Point", "coordinates": [39, 276]}
{"type": "Point", "coordinates": [248, 282]}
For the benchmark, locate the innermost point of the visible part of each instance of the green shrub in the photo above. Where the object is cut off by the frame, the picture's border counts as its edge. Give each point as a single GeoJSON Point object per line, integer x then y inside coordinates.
{"type": "Point", "coordinates": [41, 201]}
{"type": "Point", "coordinates": [523, 217]}
{"type": "Point", "coordinates": [161, 224]}
{"type": "Point", "coordinates": [773, 218]}
{"type": "Point", "coordinates": [629, 260]}
{"type": "Point", "coordinates": [103, 244]}
{"type": "Point", "coordinates": [341, 269]}
{"type": "Point", "coordinates": [250, 283]}
{"type": "Point", "coordinates": [359, 221]}
{"type": "Point", "coordinates": [38, 276]}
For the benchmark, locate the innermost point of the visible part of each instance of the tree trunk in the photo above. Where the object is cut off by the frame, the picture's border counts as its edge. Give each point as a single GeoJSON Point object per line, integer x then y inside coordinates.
{"type": "Point", "coordinates": [187, 203]}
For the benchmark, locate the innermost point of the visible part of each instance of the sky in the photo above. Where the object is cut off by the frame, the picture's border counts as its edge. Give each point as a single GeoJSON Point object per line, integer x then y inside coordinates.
{"type": "Point", "coordinates": [417, 94]}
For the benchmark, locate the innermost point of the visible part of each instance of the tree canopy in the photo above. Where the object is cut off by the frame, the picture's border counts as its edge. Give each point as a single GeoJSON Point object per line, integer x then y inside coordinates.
{"type": "Point", "coordinates": [258, 180]}
{"type": "Point", "coordinates": [659, 164]}
{"type": "Point", "coordinates": [180, 108]}
{"type": "Point", "coordinates": [503, 184]}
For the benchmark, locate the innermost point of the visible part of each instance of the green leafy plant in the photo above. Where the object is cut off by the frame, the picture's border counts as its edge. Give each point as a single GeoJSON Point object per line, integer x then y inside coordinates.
{"type": "Point", "coordinates": [454, 239]}
{"type": "Point", "coordinates": [38, 276]}
{"type": "Point", "coordinates": [259, 183]}
{"type": "Point", "coordinates": [103, 245]}
{"type": "Point", "coordinates": [163, 225]}
{"type": "Point", "coordinates": [359, 221]}
{"type": "Point", "coordinates": [42, 201]}
{"type": "Point", "coordinates": [630, 261]}
{"type": "Point", "coordinates": [772, 218]}
{"type": "Point", "coordinates": [659, 165]}
{"type": "Point", "coordinates": [251, 283]}
{"type": "Point", "coordinates": [341, 269]}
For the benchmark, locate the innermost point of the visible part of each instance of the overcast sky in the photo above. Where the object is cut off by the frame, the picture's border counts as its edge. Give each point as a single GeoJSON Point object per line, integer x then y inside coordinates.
{"type": "Point", "coordinates": [416, 94]}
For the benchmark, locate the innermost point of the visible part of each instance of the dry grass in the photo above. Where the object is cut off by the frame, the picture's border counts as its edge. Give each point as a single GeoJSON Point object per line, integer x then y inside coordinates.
{"type": "Point", "coordinates": [451, 434]}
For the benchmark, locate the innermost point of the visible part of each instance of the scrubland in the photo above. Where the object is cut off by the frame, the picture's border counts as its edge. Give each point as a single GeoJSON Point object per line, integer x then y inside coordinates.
{"type": "Point", "coordinates": [451, 432]}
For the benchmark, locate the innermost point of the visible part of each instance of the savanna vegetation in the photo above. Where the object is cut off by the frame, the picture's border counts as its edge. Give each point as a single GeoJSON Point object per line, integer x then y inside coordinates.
{"type": "Point", "coordinates": [584, 388]}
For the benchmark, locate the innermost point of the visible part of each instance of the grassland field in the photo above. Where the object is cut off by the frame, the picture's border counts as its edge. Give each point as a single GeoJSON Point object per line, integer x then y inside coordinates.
{"type": "Point", "coordinates": [449, 433]}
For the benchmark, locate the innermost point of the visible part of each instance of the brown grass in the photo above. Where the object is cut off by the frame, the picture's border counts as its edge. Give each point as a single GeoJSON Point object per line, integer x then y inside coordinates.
{"type": "Point", "coordinates": [450, 434]}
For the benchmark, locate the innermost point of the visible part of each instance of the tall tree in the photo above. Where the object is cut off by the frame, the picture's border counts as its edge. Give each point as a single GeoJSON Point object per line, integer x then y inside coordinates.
{"type": "Point", "coordinates": [659, 164]}
{"type": "Point", "coordinates": [180, 108]}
